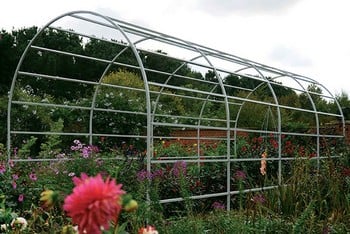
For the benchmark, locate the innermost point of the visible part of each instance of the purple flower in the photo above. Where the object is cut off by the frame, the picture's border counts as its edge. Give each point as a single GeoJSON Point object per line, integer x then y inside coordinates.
{"type": "Point", "coordinates": [86, 152]}
{"type": "Point", "coordinates": [78, 145]}
{"type": "Point", "coordinates": [259, 199]}
{"type": "Point", "coordinates": [218, 206]}
{"type": "Point", "coordinates": [143, 175]}
{"type": "Point", "coordinates": [15, 177]}
{"type": "Point", "coordinates": [179, 168]}
{"type": "Point", "coordinates": [74, 148]}
{"type": "Point", "coordinates": [32, 176]}
{"type": "Point", "coordinates": [15, 150]}
{"type": "Point", "coordinates": [240, 175]}
{"type": "Point", "coordinates": [21, 198]}
{"type": "Point", "coordinates": [157, 174]}
{"type": "Point", "coordinates": [94, 148]}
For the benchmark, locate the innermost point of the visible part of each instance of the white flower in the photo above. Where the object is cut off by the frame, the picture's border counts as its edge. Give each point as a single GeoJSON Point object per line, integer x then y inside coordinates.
{"type": "Point", "coordinates": [19, 222]}
{"type": "Point", "coordinates": [3, 227]}
{"type": "Point", "coordinates": [148, 230]}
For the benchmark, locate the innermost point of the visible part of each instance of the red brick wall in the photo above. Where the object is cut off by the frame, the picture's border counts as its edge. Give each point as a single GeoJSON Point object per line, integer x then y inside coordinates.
{"type": "Point", "coordinates": [347, 133]}
{"type": "Point", "coordinates": [204, 133]}
{"type": "Point", "coordinates": [338, 128]}
{"type": "Point", "coordinates": [210, 133]}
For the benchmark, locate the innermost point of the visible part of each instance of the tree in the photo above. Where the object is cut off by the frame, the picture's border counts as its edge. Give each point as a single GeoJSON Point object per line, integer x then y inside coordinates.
{"type": "Point", "coordinates": [54, 64]}
{"type": "Point", "coordinates": [9, 56]}
{"type": "Point", "coordinates": [159, 61]}
{"type": "Point", "coordinates": [344, 102]}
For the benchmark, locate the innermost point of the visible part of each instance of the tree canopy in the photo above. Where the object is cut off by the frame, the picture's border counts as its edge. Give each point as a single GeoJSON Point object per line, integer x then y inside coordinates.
{"type": "Point", "coordinates": [174, 72]}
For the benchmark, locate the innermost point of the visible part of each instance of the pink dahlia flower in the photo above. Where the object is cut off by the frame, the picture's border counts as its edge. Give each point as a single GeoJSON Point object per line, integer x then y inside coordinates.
{"type": "Point", "coordinates": [94, 203]}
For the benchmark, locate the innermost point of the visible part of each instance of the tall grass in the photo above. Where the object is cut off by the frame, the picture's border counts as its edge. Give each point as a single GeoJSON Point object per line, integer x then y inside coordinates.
{"type": "Point", "coordinates": [313, 199]}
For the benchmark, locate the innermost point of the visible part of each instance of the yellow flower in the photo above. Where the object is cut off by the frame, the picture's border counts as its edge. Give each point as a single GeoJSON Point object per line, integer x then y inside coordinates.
{"type": "Point", "coordinates": [131, 206]}
{"type": "Point", "coordinates": [48, 198]}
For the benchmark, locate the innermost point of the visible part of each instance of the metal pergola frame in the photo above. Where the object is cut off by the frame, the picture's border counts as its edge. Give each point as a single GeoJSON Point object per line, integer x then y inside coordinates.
{"type": "Point", "coordinates": [203, 58]}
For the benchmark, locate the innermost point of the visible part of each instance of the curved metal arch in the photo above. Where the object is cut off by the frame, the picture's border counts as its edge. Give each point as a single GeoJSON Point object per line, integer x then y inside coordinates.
{"type": "Point", "coordinates": [279, 128]}
{"type": "Point", "coordinates": [167, 81]}
{"type": "Point", "coordinates": [201, 52]}
{"type": "Point", "coordinates": [100, 81]}
{"type": "Point", "coordinates": [147, 91]}
{"type": "Point", "coordinates": [317, 115]}
{"type": "Point", "coordinates": [228, 133]}
{"type": "Point", "coordinates": [220, 83]}
{"type": "Point", "coordinates": [171, 76]}
{"type": "Point", "coordinates": [203, 55]}
{"type": "Point", "coordinates": [268, 83]}
{"type": "Point", "coordinates": [13, 83]}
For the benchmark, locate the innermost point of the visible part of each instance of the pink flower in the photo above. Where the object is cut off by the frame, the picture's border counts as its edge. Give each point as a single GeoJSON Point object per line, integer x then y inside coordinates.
{"type": "Point", "coordinates": [218, 206]}
{"type": "Point", "coordinates": [14, 184]}
{"type": "Point", "coordinates": [2, 168]}
{"type": "Point", "coordinates": [21, 198]}
{"type": "Point", "coordinates": [32, 176]}
{"type": "Point", "coordinates": [78, 145]}
{"type": "Point", "coordinates": [94, 203]}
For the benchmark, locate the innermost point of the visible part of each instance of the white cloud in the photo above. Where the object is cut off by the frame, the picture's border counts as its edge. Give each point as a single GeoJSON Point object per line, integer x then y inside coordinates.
{"type": "Point", "coordinates": [289, 56]}
{"type": "Point", "coordinates": [245, 7]}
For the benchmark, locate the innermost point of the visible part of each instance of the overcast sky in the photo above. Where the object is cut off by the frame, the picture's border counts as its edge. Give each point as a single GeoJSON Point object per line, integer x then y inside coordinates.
{"type": "Point", "coordinates": [307, 37]}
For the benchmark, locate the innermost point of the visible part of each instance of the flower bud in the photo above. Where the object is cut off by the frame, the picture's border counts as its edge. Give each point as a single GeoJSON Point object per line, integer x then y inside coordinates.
{"type": "Point", "coordinates": [69, 229]}
{"type": "Point", "coordinates": [48, 198]}
{"type": "Point", "coordinates": [19, 223]}
{"type": "Point", "coordinates": [131, 206]}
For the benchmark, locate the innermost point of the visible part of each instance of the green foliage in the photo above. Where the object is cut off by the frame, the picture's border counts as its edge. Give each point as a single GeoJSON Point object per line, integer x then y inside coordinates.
{"type": "Point", "coordinates": [3, 118]}
{"type": "Point", "coordinates": [6, 214]}
{"type": "Point", "coordinates": [185, 193]}
{"type": "Point", "coordinates": [50, 146]}
{"type": "Point", "coordinates": [316, 197]}
{"type": "Point", "coordinates": [305, 221]}
{"type": "Point", "coordinates": [9, 57]}
{"type": "Point", "coordinates": [313, 200]}
{"type": "Point", "coordinates": [35, 89]}
{"type": "Point", "coordinates": [312, 194]}
{"type": "Point", "coordinates": [24, 151]}
{"type": "Point", "coordinates": [344, 102]}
